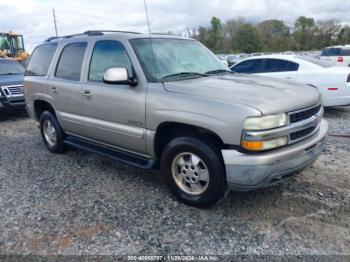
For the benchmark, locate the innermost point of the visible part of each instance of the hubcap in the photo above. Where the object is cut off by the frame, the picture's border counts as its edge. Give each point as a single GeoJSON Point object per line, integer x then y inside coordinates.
{"type": "Point", "coordinates": [49, 132]}
{"type": "Point", "coordinates": [190, 173]}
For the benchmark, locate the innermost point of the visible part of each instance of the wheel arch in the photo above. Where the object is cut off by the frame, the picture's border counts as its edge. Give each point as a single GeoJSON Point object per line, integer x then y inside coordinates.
{"type": "Point", "coordinates": [167, 131]}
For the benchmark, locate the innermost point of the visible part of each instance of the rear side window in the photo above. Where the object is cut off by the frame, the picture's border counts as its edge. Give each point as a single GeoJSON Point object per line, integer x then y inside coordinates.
{"type": "Point", "coordinates": [40, 60]}
{"type": "Point", "coordinates": [248, 67]}
{"type": "Point", "coordinates": [71, 61]}
{"type": "Point", "coordinates": [331, 52]}
{"type": "Point", "coordinates": [107, 54]}
{"type": "Point", "coordinates": [279, 65]}
{"type": "Point", "coordinates": [345, 52]}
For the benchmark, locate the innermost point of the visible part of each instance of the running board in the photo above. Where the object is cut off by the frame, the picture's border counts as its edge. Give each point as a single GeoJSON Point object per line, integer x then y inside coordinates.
{"type": "Point", "coordinates": [114, 154]}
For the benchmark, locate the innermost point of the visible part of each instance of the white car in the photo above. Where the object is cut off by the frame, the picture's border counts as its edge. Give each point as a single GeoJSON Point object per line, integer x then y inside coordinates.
{"type": "Point", "coordinates": [333, 82]}
{"type": "Point", "coordinates": [337, 55]}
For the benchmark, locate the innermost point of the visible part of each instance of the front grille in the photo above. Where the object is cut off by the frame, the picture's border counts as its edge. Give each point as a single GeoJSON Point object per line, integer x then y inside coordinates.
{"type": "Point", "coordinates": [302, 133]}
{"type": "Point", "coordinates": [304, 114]}
{"type": "Point", "coordinates": [13, 91]}
{"type": "Point", "coordinates": [16, 90]}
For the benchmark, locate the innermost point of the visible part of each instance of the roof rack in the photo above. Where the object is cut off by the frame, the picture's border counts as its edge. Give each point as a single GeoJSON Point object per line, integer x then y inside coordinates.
{"type": "Point", "coordinates": [89, 33]}
{"type": "Point", "coordinates": [100, 32]}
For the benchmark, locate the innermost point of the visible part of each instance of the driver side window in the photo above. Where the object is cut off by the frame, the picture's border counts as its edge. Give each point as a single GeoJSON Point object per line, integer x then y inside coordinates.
{"type": "Point", "coordinates": [107, 54]}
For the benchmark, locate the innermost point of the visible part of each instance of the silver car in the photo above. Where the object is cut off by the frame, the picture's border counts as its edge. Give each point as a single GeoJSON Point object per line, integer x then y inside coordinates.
{"type": "Point", "coordinates": [167, 103]}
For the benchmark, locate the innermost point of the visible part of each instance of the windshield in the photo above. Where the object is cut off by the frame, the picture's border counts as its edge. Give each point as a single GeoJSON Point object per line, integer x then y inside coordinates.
{"type": "Point", "coordinates": [175, 57]}
{"type": "Point", "coordinates": [9, 67]}
{"type": "Point", "coordinates": [316, 61]}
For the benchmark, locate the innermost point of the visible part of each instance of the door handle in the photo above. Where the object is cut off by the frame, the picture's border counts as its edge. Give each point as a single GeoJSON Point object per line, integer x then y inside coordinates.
{"type": "Point", "coordinates": [54, 90]}
{"type": "Point", "coordinates": [289, 78]}
{"type": "Point", "coordinates": [87, 94]}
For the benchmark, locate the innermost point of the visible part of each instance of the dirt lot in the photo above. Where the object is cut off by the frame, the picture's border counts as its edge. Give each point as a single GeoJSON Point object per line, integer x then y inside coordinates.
{"type": "Point", "coordinates": [80, 203]}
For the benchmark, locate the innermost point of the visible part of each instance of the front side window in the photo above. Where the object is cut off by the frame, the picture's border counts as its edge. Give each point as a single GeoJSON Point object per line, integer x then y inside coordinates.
{"type": "Point", "coordinates": [163, 57]}
{"type": "Point", "coordinates": [40, 60]}
{"type": "Point", "coordinates": [71, 61]}
{"type": "Point", "coordinates": [107, 54]}
{"type": "Point", "coordinates": [279, 65]}
{"type": "Point", "coordinates": [248, 67]}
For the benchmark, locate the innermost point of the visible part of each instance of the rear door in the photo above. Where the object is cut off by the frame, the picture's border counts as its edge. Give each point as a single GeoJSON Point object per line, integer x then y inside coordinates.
{"type": "Point", "coordinates": [65, 86]}
{"type": "Point", "coordinates": [113, 114]}
{"type": "Point", "coordinates": [280, 68]}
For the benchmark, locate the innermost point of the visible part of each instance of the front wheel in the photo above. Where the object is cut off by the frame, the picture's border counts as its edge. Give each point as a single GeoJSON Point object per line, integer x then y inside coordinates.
{"type": "Point", "coordinates": [51, 133]}
{"type": "Point", "coordinates": [194, 171]}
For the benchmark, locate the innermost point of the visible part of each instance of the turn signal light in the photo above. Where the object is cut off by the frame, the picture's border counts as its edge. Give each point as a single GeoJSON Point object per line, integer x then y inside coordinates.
{"type": "Point", "coordinates": [264, 145]}
{"type": "Point", "coordinates": [252, 145]}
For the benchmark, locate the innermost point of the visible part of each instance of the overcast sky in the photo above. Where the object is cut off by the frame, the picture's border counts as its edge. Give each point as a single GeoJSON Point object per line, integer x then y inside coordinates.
{"type": "Point", "coordinates": [33, 18]}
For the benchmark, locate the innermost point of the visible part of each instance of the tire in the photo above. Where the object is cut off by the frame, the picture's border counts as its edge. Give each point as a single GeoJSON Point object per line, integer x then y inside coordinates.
{"type": "Point", "coordinates": [184, 163]}
{"type": "Point", "coordinates": [54, 141]}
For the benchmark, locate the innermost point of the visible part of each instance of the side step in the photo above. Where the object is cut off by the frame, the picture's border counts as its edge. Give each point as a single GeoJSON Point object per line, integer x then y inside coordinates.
{"type": "Point", "coordinates": [114, 154]}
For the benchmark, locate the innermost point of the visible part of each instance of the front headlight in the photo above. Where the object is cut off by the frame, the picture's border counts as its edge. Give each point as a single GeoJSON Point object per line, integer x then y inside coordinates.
{"type": "Point", "coordinates": [265, 122]}
{"type": "Point", "coordinates": [264, 145]}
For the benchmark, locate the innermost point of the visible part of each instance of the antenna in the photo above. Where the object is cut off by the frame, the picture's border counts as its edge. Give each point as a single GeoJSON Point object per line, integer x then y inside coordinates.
{"type": "Point", "coordinates": [54, 21]}
{"type": "Point", "coordinates": [149, 33]}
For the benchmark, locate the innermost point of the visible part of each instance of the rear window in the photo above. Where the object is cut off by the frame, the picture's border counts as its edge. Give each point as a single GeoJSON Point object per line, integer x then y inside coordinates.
{"type": "Point", "coordinates": [71, 61]}
{"type": "Point", "coordinates": [315, 61]}
{"type": "Point", "coordinates": [40, 60]}
{"type": "Point", "coordinates": [333, 51]}
{"type": "Point", "coordinates": [279, 65]}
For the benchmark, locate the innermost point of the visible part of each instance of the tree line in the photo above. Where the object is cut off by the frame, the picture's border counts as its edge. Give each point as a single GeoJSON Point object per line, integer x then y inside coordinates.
{"type": "Point", "coordinates": [240, 36]}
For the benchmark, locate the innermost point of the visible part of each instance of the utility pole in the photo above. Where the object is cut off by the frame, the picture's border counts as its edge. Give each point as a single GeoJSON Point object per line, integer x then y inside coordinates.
{"type": "Point", "coordinates": [54, 21]}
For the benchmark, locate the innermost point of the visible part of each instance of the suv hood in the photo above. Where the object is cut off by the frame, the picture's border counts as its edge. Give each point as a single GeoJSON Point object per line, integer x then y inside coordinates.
{"type": "Point", "coordinates": [269, 96]}
{"type": "Point", "coordinates": [6, 80]}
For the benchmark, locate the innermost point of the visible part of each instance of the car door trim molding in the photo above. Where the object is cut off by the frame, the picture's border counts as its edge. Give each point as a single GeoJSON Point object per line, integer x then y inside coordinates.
{"type": "Point", "coordinates": [117, 128]}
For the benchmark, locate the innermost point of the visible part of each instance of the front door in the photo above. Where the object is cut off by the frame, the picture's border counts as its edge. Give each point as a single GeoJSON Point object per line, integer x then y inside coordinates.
{"type": "Point", "coordinates": [113, 114]}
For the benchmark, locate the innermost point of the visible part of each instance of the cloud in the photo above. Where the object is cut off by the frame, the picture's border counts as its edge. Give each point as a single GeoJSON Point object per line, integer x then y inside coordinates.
{"type": "Point", "coordinates": [33, 18]}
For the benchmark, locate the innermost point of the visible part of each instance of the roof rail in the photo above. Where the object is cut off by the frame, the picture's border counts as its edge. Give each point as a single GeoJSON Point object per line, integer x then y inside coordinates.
{"type": "Point", "coordinates": [100, 32]}
{"type": "Point", "coordinates": [157, 33]}
{"type": "Point", "coordinates": [89, 33]}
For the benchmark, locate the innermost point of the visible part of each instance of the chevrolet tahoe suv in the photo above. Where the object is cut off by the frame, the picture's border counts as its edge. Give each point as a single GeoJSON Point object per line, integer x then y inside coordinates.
{"type": "Point", "coordinates": [11, 85]}
{"type": "Point", "coordinates": [167, 103]}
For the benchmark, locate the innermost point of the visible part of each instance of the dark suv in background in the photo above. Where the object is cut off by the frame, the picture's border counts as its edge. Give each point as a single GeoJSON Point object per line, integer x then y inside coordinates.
{"type": "Point", "coordinates": [11, 84]}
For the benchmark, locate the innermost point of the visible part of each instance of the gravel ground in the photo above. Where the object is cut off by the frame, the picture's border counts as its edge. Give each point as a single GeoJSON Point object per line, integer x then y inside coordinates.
{"type": "Point", "coordinates": [79, 203]}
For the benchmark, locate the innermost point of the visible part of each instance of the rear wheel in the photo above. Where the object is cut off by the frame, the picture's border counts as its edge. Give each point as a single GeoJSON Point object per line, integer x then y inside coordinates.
{"type": "Point", "coordinates": [51, 133]}
{"type": "Point", "coordinates": [194, 171]}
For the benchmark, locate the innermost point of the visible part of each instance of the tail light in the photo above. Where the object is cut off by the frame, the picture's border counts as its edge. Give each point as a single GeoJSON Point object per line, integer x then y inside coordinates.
{"type": "Point", "coordinates": [340, 59]}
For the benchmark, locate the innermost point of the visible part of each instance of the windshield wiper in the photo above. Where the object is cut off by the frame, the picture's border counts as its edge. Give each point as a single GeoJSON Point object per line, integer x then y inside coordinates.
{"type": "Point", "coordinates": [183, 74]}
{"type": "Point", "coordinates": [219, 71]}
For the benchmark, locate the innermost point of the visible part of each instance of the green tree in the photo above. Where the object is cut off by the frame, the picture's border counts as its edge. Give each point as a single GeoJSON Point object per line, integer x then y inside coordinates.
{"type": "Point", "coordinates": [304, 31]}
{"type": "Point", "coordinates": [344, 36]}
{"type": "Point", "coordinates": [248, 39]}
{"type": "Point", "coordinates": [215, 35]}
{"type": "Point", "coordinates": [328, 33]}
{"type": "Point", "coordinates": [274, 34]}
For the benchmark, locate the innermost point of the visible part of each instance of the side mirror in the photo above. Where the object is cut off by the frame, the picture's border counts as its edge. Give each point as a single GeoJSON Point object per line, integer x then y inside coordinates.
{"type": "Point", "coordinates": [118, 76]}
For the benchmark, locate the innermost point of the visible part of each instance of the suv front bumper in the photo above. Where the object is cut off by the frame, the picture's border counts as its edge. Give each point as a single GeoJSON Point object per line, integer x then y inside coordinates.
{"type": "Point", "coordinates": [245, 172]}
{"type": "Point", "coordinates": [12, 104]}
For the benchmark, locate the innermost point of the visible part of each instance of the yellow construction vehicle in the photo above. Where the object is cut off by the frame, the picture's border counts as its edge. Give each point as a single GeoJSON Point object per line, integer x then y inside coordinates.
{"type": "Point", "coordinates": [12, 46]}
